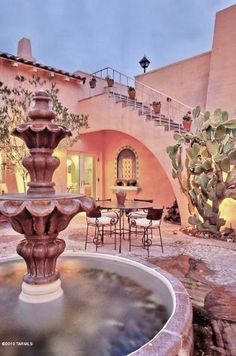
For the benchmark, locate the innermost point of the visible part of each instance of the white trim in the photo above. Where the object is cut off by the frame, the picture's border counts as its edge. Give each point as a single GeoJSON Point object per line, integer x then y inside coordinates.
{"type": "Point", "coordinates": [125, 187]}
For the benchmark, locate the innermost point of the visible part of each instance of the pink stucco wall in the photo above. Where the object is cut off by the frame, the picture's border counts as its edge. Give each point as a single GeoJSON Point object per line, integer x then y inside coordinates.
{"type": "Point", "coordinates": [222, 80]}
{"type": "Point", "coordinates": [186, 80]}
{"type": "Point", "coordinates": [152, 179]}
{"type": "Point", "coordinates": [107, 114]}
{"type": "Point", "coordinates": [207, 79]}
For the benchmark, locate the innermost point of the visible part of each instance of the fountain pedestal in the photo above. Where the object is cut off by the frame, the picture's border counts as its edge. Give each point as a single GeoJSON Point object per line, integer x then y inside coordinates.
{"type": "Point", "coordinates": [41, 214]}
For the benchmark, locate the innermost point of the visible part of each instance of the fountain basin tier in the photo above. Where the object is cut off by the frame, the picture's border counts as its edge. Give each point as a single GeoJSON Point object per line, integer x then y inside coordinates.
{"type": "Point", "coordinates": [36, 215]}
{"type": "Point", "coordinates": [41, 219]}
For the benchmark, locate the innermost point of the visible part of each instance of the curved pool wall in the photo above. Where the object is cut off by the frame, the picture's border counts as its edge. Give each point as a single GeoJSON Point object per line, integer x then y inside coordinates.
{"type": "Point", "coordinates": [175, 338]}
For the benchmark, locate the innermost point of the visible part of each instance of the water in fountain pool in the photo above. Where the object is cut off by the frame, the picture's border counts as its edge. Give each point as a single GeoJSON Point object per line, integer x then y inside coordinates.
{"type": "Point", "coordinates": [101, 313]}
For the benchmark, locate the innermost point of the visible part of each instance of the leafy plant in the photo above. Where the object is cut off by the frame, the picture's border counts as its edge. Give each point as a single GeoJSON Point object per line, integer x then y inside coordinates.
{"type": "Point", "coordinates": [131, 89]}
{"type": "Point", "coordinates": [110, 81]}
{"type": "Point", "coordinates": [208, 175]}
{"type": "Point", "coordinates": [15, 102]}
{"type": "Point", "coordinates": [187, 116]}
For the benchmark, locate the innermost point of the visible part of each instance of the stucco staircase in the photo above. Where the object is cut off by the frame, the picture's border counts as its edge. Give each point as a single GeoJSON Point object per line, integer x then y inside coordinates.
{"type": "Point", "coordinates": [172, 110]}
{"type": "Point", "coordinates": [112, 111]}
{"type": "Point", "coordinates": [145, 110]}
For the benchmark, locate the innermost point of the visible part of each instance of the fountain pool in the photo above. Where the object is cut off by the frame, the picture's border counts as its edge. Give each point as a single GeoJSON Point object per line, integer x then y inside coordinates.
{"type": "Point", "coordinates": [111, 306]}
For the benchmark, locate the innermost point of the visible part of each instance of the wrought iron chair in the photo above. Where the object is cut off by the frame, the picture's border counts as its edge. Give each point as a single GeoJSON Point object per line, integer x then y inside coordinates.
{"type": "Point", "coordinates": [135, 214]}
{"type": "Point", "coordinates": [106, 212]}
{"type": "Point", "coordinates": [138, 214]}
{"type": "Point", "coordinates": [100, 223]}
{"type": "Point", "coordinates": [146, 225]}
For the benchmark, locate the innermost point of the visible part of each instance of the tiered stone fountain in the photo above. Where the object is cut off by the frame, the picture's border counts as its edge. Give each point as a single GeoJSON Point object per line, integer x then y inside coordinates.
{"type": "Point", "coordinates": [41, 213]}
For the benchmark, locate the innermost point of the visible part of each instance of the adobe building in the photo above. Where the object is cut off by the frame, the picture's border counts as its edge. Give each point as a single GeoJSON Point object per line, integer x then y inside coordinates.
{"type": "Point", "coordinates": [125, 140]}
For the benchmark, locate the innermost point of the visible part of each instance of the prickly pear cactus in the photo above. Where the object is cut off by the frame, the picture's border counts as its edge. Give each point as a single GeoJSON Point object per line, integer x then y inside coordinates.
{"type": "Point", "coordinates": [210, 167]}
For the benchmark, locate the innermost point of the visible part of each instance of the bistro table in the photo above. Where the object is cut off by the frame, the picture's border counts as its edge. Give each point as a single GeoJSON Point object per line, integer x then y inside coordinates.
{"type": "Point", "coordinates": [130, 205]}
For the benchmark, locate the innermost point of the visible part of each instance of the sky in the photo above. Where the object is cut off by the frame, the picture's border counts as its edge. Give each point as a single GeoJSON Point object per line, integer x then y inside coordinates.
{"type": "Point", "coordinates": [89, 35]}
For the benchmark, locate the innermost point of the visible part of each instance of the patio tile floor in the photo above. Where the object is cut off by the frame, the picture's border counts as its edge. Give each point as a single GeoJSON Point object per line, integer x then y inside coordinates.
{"type": "Point", "coordinates": [219, 256]}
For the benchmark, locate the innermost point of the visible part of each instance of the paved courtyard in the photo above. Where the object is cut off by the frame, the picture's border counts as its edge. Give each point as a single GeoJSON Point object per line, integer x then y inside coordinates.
{"type": "Point", "coordinates": [219, 256]}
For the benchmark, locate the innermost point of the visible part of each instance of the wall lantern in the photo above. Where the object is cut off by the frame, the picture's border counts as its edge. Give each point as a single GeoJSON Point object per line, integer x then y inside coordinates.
{"type": "Point", "coordinates": [92, 83]}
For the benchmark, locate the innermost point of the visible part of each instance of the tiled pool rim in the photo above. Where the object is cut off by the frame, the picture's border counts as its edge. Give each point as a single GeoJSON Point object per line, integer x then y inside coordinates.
{"type": "Point", "coordinates": [176, 337]}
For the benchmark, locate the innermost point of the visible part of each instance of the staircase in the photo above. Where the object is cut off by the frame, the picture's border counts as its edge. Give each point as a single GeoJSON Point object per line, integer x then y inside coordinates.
{"type": "Point", "coordinates": [145, 110]}
{"type": "Point", "coordinates": [172, 110]}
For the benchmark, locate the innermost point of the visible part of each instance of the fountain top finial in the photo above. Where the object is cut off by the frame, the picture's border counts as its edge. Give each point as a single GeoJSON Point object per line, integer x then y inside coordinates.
{"type": "Point", "coordinates": [41, 111]}
{"type": "Point", "coordinates": [41, 137]}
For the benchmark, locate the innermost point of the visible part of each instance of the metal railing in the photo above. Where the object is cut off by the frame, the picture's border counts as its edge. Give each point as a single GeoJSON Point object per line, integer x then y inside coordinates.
{"type": "Point", "coordinates": [171, 108]}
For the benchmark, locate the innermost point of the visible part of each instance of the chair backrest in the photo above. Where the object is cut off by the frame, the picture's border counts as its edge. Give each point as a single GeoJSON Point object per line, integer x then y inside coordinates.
{"type": "Point", "coordinates": [145, 200]}
{"type": "Point", "coordinates": [94, 213]}
{"type": "Point", "coordinates": [154, 214]}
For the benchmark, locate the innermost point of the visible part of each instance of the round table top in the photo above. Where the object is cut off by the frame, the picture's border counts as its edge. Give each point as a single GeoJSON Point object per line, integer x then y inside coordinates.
{"type": "Point", "coordinates": [129, 205]}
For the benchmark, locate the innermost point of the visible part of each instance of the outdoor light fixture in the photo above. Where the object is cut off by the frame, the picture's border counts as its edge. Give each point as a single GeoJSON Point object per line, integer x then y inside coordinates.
{"type": "Point", "coordinates": [144, 62]}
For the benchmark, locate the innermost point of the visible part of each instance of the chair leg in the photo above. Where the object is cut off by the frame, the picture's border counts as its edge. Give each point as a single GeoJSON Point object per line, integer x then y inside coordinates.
{"type": "Point", "coordinates": [133, 229]}
{"type": "Point", "coordinates": [130, 232]}
{"type": "Point", "coordinates": [148, 241]}
{"type": "Point", "coordinates": [96, 236]}
{"type": "Point", "coordinates": [86, 238]}
{"type": "Point", "coordinates": [114, 232]}
{"type": "Point", "coordinates": [102, 235]}
{"type": "Point", "coordinates": [161, 240]}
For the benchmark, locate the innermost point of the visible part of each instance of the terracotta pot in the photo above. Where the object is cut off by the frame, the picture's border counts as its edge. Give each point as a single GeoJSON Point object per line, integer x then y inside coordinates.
{"type": "Point", "coordinates": [132, 94]}
{"type": "Point", "coordinates": [119, 182]}
{"type": "Point", "coordinates": [156, 108]}
{"type": "Point", "coordinates": [110, 82]}
{"type": "Point", "coordinates": [132, 182]}
{"type": "Point", "coordinates": [120, 198]}
{"type": "Point", "coordinates": [187, 125]}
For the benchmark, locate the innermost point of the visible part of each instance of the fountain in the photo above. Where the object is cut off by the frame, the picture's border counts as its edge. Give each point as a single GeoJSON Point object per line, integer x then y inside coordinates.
{"type": "Point", "coordinates": [109, 305]}
{"type": "Point", "coordinates": [41, 214]}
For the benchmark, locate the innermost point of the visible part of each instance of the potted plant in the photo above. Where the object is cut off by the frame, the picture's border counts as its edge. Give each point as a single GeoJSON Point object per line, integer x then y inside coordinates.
{"type": "Point", "coordinates": [132, 182]}
{"type": "Point", "coordinates": [92, 82]}
{"type": "Point", "coordinates": [131, 93]}
{"type": "Point", "coordinates": [119, 182]}
{"type": "Point", "coordinates": [156, 106]}
{"type": "Point", "coordinates": [187, 121]}
{"type": "Point", "coordinates": [121, 196]}
{"type": "Point", "coordinates": [110, 81]}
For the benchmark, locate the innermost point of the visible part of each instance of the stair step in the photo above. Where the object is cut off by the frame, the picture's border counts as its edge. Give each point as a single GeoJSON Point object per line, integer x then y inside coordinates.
{"type": "Point", "coordinates": [157, 117]}
{"type": "Point", "coordinates": [130, 102]}
{"type": "Point", "coordinates": [121, 100]}
{"type": "Point", "coordinates": [144, 111]}
{"type": "Point", "coordinates": [113, 94]}
{"type": "Point", "coordinates": [162, 119]}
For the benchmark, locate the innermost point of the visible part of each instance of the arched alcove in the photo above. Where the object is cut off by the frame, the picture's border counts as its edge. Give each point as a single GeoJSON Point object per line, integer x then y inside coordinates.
{"type": "Point", "coordinates": [126, 165]}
